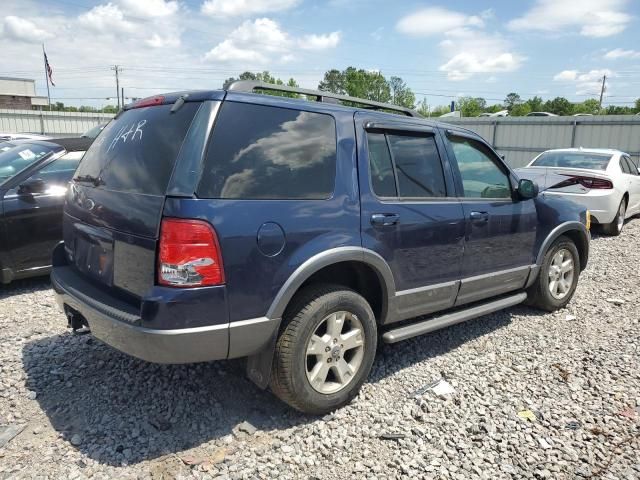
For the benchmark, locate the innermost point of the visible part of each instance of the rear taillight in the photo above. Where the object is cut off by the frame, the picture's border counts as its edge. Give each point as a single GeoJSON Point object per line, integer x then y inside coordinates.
{"type": "Point", "coordinates": [189, 254]}
{"type": "Point", "coordinates": [149, 102]}
{"type": "Point", "coordinates": [587, 182]}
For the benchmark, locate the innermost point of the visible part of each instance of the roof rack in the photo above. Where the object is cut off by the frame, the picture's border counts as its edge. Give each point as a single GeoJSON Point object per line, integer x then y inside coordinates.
{"type": "Point", "coordinates": [249, 86]}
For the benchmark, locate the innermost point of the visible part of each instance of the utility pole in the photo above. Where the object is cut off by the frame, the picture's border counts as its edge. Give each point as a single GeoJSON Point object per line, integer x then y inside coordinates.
{"type": "Point", "coordinates": [122, 92]}
{"type": "Point", "coordinates": [117, 69]}
{"type": "Point", "coordinates": [604, 80]}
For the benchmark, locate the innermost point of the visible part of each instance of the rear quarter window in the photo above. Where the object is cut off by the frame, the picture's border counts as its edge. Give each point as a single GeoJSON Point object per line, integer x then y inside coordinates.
{"type": "Point", "coordinates": [263, 152]}
{"type": "Point", "coordinates": [136, 152]}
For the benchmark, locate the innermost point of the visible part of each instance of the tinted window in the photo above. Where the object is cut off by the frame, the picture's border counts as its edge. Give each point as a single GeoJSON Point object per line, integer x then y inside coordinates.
{"type": "Point", "coordinates": [60, 171]}
{"type": "Point", "coordinates": [627, 166]}
{"type": "Point", "coordinates": [261, 152]}
{"type": "Point", "coordinates": [593, 161]}
{"type": "Point", "coordinates": [382, 178]}
{"type": "Point", "coordinates": [136, 151]}
{"type": "Point", "coordinates": [418, 166]}
{"type": "Point", "coordinates": [481, 176]}
{"type": "Point", "coordinates": [20, 157]}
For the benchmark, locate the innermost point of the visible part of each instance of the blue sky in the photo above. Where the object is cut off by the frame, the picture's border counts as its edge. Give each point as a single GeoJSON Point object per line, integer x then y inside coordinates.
{"type": "Point", "coordinates": [442, 49]}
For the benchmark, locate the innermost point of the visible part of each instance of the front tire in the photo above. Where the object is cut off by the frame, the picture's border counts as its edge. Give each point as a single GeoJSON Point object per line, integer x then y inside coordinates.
{"type": "Point", "coordinates": [615, 228]}
{"type": "Point", "coordinates": [558, 277]}
{"type": "Point", "coordinates": [326, 349]}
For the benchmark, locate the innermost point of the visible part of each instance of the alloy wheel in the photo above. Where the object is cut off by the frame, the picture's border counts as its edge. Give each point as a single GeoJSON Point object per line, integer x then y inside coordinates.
{"type": "Point", "coordinates": [334, 353]}
{"type": "Point", "coordinates": [561, 272]}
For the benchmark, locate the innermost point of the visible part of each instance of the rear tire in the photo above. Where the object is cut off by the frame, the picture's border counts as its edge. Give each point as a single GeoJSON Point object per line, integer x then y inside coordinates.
{"type": "Point", "coordinates": [558, 277]}
{"type": "Point", "coordinates": [615, 228]}
{"type": "Point", "coordinates": [325, 349]}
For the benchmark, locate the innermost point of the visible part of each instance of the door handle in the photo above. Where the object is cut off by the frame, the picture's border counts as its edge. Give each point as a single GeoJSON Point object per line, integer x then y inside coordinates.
{"type": "Point", "coordinates": [479, 217]}
{"type": "Point", "coordinates": [384, 219]}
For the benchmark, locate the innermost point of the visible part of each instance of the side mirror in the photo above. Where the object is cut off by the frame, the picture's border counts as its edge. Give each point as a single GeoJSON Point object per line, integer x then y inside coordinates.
{"type": "Point", "coordinates": [31, 186]}
{"type": "Point", "coordinates": [527, 189]}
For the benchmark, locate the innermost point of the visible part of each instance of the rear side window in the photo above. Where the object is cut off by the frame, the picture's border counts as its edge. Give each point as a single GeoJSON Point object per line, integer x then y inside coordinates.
{"type": "Point", "coordinates": [627, 166]}
{"type": "Point", "coordinates": [262, 152]}
{"type": "Point", "coordinates": [418, 169]}
{"type": "Point", "coordinates": [22, 156]}
{"type": "Point", "coordinates": [136, 152]}
{"type": "Point", "coordinates": [418, 166]}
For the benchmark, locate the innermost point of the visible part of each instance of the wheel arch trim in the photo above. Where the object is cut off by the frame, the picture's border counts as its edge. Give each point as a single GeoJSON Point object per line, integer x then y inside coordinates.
{"type": "Point", "coordinates": [325, 259]}
{"type": "Point", "coordinates": [561, 229]}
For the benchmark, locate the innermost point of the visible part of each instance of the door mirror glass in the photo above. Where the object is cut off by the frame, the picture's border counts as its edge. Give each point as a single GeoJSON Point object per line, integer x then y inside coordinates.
{"type": "Point", "coordinates": [31, 186]}
{"type": "Point", "coordinates": [527, 189]}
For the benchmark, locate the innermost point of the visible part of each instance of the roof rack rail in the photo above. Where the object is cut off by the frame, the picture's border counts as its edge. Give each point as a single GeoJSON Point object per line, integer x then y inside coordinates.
{"type": "Point", "coordinates": [249, 86]}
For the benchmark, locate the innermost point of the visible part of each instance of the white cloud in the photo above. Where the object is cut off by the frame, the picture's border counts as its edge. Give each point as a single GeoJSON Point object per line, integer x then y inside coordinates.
{"type": "Point", "coordinates": [106, 18]}
{"type": "Point", "coordinates": [436, 21]}
{"type": "Point", "coordinates": [586, 83]}
{"type": "Point", "coordinates": [593, 18]}
{"type": "Point", "coordinates": [158, 41]}
{"type": "Point", "coordinates": [617, 53]}
{"type": "Point", "coordinates": [24, 30]}
{"type": "Point", "coordinates": [566, 76]}
{"type": "Point", "coordinates": [263, 40]}
{"type": "Point", "coordinates": [319, 42]}
{"type": "Point", "coordinates": [229, 8]}
{"type": "Point", "coordinates": [469, 48]}
{"type": "Point", "coordinates": [150, 8]}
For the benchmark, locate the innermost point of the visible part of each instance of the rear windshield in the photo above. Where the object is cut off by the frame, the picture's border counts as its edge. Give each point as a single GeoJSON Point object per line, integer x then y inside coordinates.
{"type": "Point", "coordinates": [20, 157]}
{"type": "Point", "coordinates": [136, 152]}
{"type": "Point", "coordinates": [592, 161]}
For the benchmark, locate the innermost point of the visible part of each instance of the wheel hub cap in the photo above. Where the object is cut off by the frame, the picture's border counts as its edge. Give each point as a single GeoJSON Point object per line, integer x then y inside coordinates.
{"type": "Point", "coordinates": [334, 353]}
{"type": "Point", "coordinates": [561, 272]}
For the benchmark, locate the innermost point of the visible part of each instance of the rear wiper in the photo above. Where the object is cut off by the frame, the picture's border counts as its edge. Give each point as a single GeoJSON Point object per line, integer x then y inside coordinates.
{"type": "Point", "coordinates": [95, 181]}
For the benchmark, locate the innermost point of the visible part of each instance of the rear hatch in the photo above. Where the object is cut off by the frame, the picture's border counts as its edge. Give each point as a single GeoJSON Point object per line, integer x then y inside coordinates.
{"type": "Point", "coordinates": [115, 202]}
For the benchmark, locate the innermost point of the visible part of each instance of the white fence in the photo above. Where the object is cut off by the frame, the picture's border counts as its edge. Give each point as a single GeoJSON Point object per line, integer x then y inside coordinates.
{"type": "Point", "coordinates": [520, 139]}
{"type": "Point", "coordinates": [50, 123]}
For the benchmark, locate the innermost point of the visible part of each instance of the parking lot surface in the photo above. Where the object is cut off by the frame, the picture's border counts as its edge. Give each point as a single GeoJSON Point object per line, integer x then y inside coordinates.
{"type": "Point", "coordinates": [535, 395]}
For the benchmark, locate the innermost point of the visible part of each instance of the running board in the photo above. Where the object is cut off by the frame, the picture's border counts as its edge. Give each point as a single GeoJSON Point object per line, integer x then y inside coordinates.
{"type": "Point", "coordinates": [436, 323]}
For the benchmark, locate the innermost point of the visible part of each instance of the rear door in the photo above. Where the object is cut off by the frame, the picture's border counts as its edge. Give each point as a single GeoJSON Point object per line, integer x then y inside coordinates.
{"type": "Point", "coordinates": [500, 228]}
{"type": "Point", "coordinates": [115, 200]}
{"type": "Point", "coordinates": [410, 214]}
{"type": "Point", "coordinates": [632, 179]}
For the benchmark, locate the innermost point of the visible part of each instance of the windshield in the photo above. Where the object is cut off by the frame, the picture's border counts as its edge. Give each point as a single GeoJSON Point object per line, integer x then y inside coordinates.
{"type": "Point", "coordinates": [591, 161]}
{"type": "Point", "coordinates": [20, 157]}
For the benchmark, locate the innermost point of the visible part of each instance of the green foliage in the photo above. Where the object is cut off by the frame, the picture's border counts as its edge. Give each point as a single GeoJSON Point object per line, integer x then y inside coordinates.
{"type": "Point", "coordinates": [511, 100]}
{"type": "Point", "coordinates": [535, 104]}
{"type": "Point", "coordinates": [401, 94]}
{"type": "Point", "coordinates": [638, 106]}
{"type": "Point", "coordinates": [618, 110]}
{"type": "Point", "coordinates": [520, 110]}
{"type": "Point", "coordinates": [590, 105]}
{"type": "Point", "coordinates": [423, 108]}
{"type": "Point", "coordinates": [471, 107]}
{"type": "Point", "coordinates": [110, 109]}
{"type": "Point", "coordinates": [265, 77]}
{"type": "Point", "coordinates": [494, 108]}
{"type": "Point", "coordinates": [559, 106]}
{"type": "Point", "coordinates": [334, 82]}
{"type": "Point", "coordinates": [440, 110]}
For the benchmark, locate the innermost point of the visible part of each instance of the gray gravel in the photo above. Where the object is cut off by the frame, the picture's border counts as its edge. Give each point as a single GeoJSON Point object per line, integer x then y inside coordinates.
{"type": "Point", "coordinates": [573, 376]}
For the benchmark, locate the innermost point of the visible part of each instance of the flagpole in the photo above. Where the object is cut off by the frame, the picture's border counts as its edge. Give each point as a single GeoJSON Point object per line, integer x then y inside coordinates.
{"type": "Point", "coordinates": [46, 76]}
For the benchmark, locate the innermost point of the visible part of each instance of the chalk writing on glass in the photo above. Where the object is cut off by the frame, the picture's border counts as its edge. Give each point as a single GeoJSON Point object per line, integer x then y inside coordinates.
{"type": "Point", "coordinates": [130, 133]}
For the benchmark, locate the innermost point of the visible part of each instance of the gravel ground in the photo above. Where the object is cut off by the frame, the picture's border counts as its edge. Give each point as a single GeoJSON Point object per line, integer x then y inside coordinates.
{"type": "Point", "coordinates": [573, 376]}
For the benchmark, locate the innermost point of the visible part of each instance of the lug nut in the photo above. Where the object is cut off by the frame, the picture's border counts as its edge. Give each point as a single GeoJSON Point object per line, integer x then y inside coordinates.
{"type": "Point", "coordinates": [335, 340]}
{"type": "Point", "coordinates": [327, 349]}
{"type": "Point", "coordinates": [328, 360]}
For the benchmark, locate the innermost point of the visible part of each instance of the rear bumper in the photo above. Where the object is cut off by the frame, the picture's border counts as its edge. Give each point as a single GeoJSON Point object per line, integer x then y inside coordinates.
{"type": "Point", "coordinates": [118, 325]}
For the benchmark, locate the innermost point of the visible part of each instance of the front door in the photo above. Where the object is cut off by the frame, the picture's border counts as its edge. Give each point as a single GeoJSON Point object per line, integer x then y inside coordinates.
{"type": "Point", "coordinates": [500, 228]}
{"type": "Point", "coordinates": [410, 215]}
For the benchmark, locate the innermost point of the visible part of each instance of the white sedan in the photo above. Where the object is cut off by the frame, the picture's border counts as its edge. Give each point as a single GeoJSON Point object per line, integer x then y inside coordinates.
{"type": "Point", "coordinates": [605, 181]}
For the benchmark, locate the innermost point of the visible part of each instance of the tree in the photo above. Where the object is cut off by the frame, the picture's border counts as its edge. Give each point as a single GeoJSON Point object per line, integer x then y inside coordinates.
{"type": "Point", "coordinates": [559, 106]}
{"type": "Point", "coordinates": [440, 110]}
{"type": "Point", "coordinates": [110, 109]}
{"type": "Point", "coordinates": [590, 105]}
{"type": "Point", "coordinates": [638, 105]}
{"type": "Point", "coordinates": [511, 100]}
{"type": "Point", "coordinates": [334, 82]}
{"type": "Point", "coordinates": [470, 107]}
{"type": "Point", "coordinates": [265, 77]}
{"type": "Point", "coordinates": [494, 108]}
{"type": "Point", "coordinates": [401, 94]}
{"type": "Point", "coordinates": [520, 110]}
{"type": "Point", "coordinates": [535, 104]}
{"type": "Point", "coordinates": [423, 108]}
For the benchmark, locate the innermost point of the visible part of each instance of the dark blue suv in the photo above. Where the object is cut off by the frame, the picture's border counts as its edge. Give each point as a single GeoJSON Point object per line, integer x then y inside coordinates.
{"type": "Point", "coordinates": [225, 224]}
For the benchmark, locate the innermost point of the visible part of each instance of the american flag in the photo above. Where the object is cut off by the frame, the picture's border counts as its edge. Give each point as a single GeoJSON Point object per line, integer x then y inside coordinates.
{"type": "Point", "coordinates": [48, 67]}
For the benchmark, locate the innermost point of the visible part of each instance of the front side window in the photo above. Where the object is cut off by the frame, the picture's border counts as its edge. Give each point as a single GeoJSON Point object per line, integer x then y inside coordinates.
{"type": "Point", "coordinates": [22, 156]}
{"type": "Point", "coordinates": [481, 176]}
{"type": "Point", "coordinates": [382, 177]}
{"type": "Point", "coordinates": [263, 152]}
